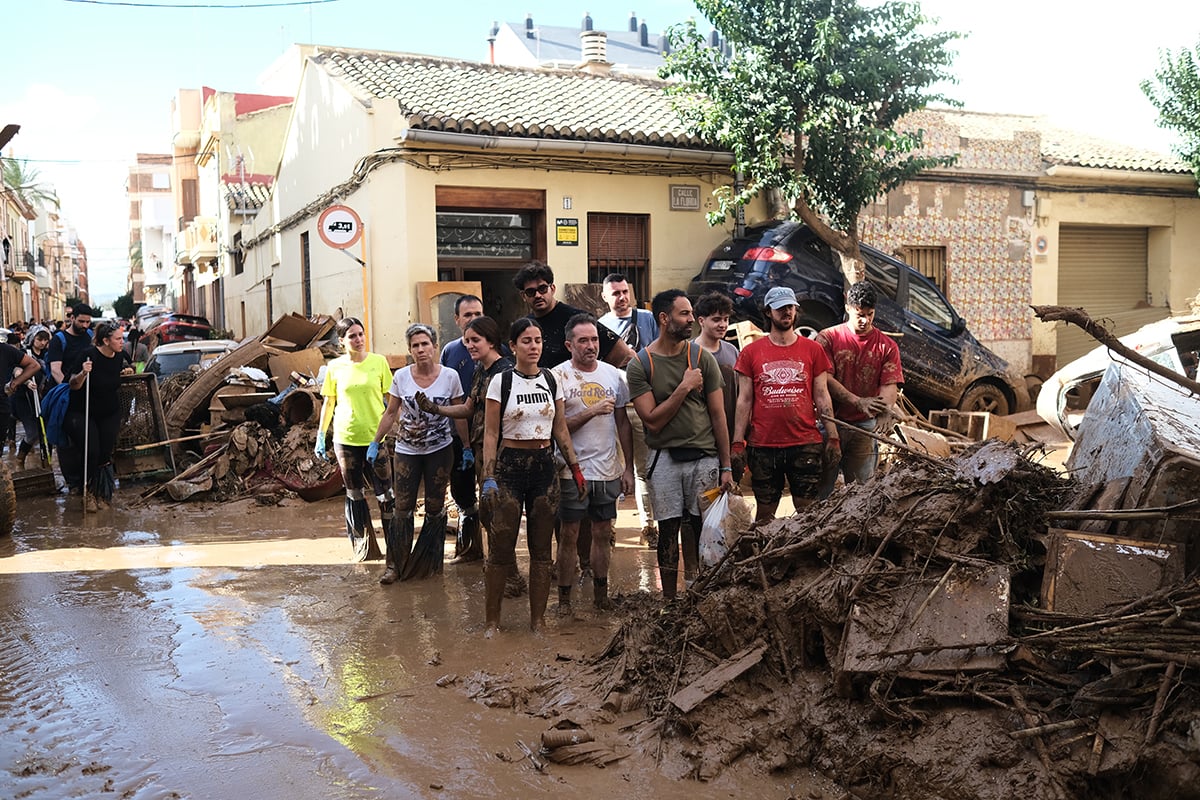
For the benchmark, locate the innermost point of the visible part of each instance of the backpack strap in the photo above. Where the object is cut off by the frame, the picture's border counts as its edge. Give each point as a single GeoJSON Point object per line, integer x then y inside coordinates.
{"type": "Point", "coordinates": [505, 391]}
{"type": "Point", "coordinates": [643, 356]}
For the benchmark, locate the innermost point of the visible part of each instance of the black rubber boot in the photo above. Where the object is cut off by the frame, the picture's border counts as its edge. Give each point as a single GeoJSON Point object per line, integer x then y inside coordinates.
{"type": "Point", "coordinates": [429, 552]}
{"type": "Point", "coordinates": [360, 530]}
{"type": "Point", "coordinates": [600, 594]}
{"type": "Point", "coordinates": [399, 542]}
{"type": "Point", "coordinates": [470, 542]}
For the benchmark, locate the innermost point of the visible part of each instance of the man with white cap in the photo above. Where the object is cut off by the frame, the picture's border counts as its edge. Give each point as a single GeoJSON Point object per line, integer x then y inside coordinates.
{"type": "Point", "coordinates": [783, 385]}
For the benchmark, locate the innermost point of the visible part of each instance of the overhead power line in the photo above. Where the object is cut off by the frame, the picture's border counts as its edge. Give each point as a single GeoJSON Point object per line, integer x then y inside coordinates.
{"type": "Point", "coordinates": [203, 5]}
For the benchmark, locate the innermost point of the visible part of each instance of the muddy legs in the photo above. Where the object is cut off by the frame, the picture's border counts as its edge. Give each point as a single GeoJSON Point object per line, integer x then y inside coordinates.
{"type": "Point", "coordinates": [540, 576]}
{"type": "Point", "coordinates": [494, 576]}
{"type": "Point", "coordinates": [668, 555]}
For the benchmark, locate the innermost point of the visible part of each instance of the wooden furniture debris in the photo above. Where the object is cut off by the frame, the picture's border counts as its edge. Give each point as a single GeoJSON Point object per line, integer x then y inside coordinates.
{"type": "Point", "coordinates": [712, 681]}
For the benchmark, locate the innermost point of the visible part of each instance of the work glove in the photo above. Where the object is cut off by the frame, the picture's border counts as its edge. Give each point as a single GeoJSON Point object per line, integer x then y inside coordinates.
{"type": "Point", "coordinates": [319, 449]}
{"type": "Point", "coordinates": [487, 501]}
{"type": "Point", "coordinates": [372, 451]}
{"type": "Point", "coordinates": [468, 460]}
{"type": "Point", "coordinates": [427, 405]}
{"type": "Point", "coordinates": [832, 455]}
{"type": "Point", "coordinates": [580, 481]}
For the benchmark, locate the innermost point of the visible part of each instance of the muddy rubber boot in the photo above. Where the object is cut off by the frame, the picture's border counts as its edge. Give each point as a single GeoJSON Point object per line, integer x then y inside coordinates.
{"type": "Point", "coordinates": [399, 541]}
{"type": "Point", "coordinates": [600, 594]}
{"type": "Point", "coordinates": [360, 530]}
{"type": "Point", "coordinates": [22, 454]}
{"type": "Point", "coordinates": [470, 540]}
{"type": "Point", "coordinates": [563, 609]}
{"type": "Point", "coordinates": [670, 579]}
{"type": "Point", "coordinates": [429, 552]}
{"type": "Point", "coordinates": [541, 573]}
{"type": "Point", "coordinates": [494, 578]}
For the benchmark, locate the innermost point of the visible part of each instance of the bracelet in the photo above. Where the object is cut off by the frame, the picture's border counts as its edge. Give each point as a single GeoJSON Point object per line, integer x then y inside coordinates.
{"type": "Point", "coordinates": [726, 469]}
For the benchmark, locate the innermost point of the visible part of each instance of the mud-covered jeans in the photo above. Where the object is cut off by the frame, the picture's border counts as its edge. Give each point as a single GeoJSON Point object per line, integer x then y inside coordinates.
{"type": "Point", "coordinates": [528, 484]}
{"type": "Point", "coordinates": [430, 469]}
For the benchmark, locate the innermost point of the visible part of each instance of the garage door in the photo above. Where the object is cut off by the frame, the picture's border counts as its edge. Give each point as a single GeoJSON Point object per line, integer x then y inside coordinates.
{"type": "Point", "coordinates": [1102, 269]}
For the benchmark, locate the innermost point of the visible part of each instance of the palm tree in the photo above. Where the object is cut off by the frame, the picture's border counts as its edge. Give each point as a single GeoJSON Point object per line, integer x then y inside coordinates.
{"type": "Point", "coordinates": [26, 183]}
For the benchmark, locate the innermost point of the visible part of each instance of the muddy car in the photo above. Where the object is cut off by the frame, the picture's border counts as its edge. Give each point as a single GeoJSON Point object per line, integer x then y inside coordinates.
{"type": "Point", "coordinates": [1064, 398]}
{"type": "Point", "coordinates": [944, 364]}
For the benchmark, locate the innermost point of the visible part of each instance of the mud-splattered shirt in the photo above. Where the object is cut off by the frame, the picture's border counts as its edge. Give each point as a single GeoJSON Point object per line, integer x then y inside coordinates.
{"type": "Point", "coordinates": [783, 413]}
{"type": "Point", "coordinates": [860, 363]}
{"type": "Point", "coordinates": [420, 433]}
{"type": "Point", "coordinates": [530, 411]}
{"type": "Point", "coordinates": [595, 441]}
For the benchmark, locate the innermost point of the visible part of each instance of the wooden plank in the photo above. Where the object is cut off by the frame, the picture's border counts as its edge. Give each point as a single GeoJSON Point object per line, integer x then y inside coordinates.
{"type": "Point", "coordinates": [712, 681]}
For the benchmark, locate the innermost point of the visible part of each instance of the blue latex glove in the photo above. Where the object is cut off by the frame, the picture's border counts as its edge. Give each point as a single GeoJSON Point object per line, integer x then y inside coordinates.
{"type": "Point", "coordinates": [320, 448]}
{"type": "Point", "coordinates": [372, 451]}
{"type": "Point", "coordinates": [490, 488]}
{"type": "Point", "coordinates": [468, 460]}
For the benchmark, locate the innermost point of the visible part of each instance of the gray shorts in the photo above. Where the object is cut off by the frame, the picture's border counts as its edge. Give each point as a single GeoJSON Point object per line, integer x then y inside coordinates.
{"type": "Point", "coordinates": [600, 504]}
{"type": "Point", "coordinates": [675, 486]}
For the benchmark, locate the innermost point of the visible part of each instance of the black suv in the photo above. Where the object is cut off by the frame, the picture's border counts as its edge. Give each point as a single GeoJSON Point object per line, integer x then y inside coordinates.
{"type": "Point", "coordinates": [944, 365]}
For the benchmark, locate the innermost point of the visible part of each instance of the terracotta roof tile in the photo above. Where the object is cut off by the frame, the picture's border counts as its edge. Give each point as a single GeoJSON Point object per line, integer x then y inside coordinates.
{"type": "Point", "coordinates": [251, 195]}
{"type": "Point", "coordinates": [1060, 145]}
{"type": "Point", "coordinates": [463, 96]}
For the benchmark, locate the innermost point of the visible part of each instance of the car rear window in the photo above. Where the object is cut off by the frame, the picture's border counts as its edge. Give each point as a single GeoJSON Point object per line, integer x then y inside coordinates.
{"type": "Point", "coordinates": [883, 274]}
{"type": "Point", "coordinates": [170, 363]}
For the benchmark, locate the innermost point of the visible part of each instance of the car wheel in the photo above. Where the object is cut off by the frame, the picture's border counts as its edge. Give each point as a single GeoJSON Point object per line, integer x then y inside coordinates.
{"type": "Point", "coordinates": [984, 397]}
{"type": "Point", "coordinates": [809, 327]}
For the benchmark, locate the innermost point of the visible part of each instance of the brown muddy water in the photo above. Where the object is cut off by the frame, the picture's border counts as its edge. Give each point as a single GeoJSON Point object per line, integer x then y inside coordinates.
{"type": "Point", "coordinates": [232, 651]}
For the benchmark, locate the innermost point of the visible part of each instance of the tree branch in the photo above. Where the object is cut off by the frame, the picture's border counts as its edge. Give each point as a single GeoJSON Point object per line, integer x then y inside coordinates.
{"type": "Point", "coordinates": [1077, 316]}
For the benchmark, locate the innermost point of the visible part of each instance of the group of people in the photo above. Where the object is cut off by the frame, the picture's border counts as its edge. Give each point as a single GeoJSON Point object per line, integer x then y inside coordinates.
{"type": "Point", "coordinates": [542, 429]}
{"type": "Point", "coordinates": [90, 362]}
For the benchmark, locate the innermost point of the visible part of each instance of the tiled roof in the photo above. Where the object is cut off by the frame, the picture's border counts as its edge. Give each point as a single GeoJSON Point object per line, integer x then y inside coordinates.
{"type": "Point", "coordinates": [251, 194]}
{"type": "Point", "coordinates": [1062, 146]}
{"type": "Point", "coordinates": [441, 94]}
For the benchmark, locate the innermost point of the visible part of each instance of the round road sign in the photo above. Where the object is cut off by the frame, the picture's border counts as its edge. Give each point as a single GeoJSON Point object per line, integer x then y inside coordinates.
{"type": "Point", "coordinates": [339, 227]}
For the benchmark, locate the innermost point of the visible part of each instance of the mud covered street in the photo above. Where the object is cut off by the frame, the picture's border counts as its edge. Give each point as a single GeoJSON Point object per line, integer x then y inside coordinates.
{"type": "Point", "coordinates": [226, 651]}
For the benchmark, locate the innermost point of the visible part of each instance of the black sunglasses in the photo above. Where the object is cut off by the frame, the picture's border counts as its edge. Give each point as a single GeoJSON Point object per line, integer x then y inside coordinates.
{"type": "Point", "coordinates": [534, 291]}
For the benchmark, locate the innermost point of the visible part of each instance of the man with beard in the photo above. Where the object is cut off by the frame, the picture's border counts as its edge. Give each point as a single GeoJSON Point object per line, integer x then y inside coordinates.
{"type": "Point", "coordinates": [676, 389]}
{"type": "Point", "coordinates": [66, 345]}
{"type": "Point", "coordinates": [594, 399]}
{"type": "Point", "coordinates": [783, 384]}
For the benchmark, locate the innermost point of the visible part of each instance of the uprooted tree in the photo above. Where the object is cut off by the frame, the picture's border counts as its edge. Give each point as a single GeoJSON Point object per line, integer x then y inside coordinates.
{"type": "Point", "coordinates": [807, 95]}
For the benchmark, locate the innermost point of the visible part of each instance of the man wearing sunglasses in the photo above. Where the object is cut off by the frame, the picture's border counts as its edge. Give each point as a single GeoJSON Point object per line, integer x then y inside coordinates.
{"type": "Point", "coordinates": [535, 282]}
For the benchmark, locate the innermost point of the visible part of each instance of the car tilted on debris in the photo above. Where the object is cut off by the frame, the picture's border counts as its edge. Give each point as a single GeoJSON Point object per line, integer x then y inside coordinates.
{"type": "Point", "coordinates": [944, 364]}
{"type": "Point", "coordinates": [168, 359]}
{"type": "Point", "coordinates": [1173, 342]}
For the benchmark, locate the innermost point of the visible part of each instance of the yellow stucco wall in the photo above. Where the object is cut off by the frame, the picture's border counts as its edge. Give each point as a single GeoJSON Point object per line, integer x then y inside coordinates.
{"type": "Point", "coordinates": [1173, 274]}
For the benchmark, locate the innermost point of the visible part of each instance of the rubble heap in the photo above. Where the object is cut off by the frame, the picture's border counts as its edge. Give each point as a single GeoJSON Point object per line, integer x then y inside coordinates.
{"type": "Point", "coordinates": [816, 642]}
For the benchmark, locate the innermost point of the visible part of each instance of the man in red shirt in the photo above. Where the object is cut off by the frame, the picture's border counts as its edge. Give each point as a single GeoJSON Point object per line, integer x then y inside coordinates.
{"type": "Point", "coordinates": [782, 387]}
{"type": "Point", "coordinates": [864, 385]}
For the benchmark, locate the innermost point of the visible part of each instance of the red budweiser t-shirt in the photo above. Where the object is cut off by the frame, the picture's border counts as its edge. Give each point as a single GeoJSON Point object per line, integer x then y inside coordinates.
{"type": "Point", "coordinates": [860, 363]}
{"type": "Point", "coordinates": [783, 414]}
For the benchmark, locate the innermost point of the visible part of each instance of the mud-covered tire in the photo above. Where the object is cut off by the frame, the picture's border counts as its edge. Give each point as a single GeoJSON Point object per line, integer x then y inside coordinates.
{"type": "Point", "coordinates": [8, 500]}
{"type": "Point", "coordinates": [985, 397]}
{"type": "Point", "coordinates": [809, 326]}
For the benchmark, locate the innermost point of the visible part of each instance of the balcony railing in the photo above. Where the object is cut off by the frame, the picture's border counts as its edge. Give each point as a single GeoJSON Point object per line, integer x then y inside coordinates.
{"type": "Point", "coordinates": [21, 268]}
{"type": "Point", "coordinates": [200, 241]}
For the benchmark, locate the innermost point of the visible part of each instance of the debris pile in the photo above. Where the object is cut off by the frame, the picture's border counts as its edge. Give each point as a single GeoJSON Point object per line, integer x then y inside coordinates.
{"type": "Point", "coordinates": [872, 638]}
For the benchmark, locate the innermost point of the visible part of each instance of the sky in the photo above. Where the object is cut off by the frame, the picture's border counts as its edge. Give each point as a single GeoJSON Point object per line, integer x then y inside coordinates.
{"type": "Point", "coordinates": [90, 82]}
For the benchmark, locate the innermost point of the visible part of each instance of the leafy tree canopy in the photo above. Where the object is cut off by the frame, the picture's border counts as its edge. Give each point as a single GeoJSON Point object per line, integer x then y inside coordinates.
{"type": "Point", "coordinates": [1175, 92]}
{"type": "Point", "coordinates": [808, 99]}
{"type": "Point", "coordinates": [26, 182]}
{"type": "Point", "coordinates": [124, 306]}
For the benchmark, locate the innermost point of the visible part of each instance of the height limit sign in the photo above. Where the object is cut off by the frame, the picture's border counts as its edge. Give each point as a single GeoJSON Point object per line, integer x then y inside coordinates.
{"type": "Point", "coordinates": [339, 226]}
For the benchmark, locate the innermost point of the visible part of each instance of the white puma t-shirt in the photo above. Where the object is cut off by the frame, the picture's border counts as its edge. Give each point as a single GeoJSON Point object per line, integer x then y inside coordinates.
{"type": "Point", "coordinates": [530, 411]}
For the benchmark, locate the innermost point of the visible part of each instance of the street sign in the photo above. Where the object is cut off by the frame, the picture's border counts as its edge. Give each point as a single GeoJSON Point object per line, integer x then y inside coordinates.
{"type": "Point", "coordinates": [339, 226]}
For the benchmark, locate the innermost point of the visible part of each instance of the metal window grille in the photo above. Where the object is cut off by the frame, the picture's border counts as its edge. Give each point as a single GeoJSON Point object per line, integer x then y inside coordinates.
{"type": "Point", "coordinates": [929, 261]}
{"type": "Point", "coordinates": [620, 243]}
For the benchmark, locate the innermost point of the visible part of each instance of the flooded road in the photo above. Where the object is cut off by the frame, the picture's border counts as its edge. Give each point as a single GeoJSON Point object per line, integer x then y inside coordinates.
{"type": "Point", "coordinates": [231, 651]}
